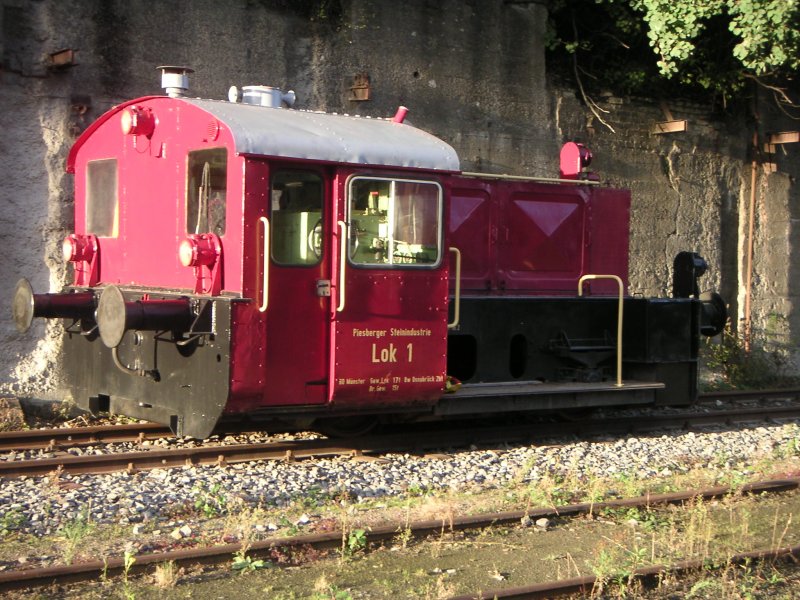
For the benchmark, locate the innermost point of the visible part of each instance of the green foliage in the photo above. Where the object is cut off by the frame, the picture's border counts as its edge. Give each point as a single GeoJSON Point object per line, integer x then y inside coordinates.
{"type": "Point", "coordinates": [356, 541]}
{"type": "Point", "coordinates": [602, 43]}
{"type": "Point", "coordinates": [128, 560]}
{"type": "Point", "coordinates": [417, 491]}
{"type": "Point", "coordinates": [332, 593]}
{"type": "Point", "coordinates": [763, 365]}
{"type": "Point", "coordinates": [210, 501]}
{"type": "Point", "coordinates": [764, 33]}
{"type": "Point", "coordinates": [790, 448]}
{"type": "Point", "coordinates": [245, 564]}
{"type": "Point", "coordinates": [693, 48]}
{"type": "Point", "coordinates": [11, 521]}
{"type": "Point", "coordinates": [646, 519]}
{"type": "Point", "coordinates": [673, 28]}
{"type": "Point", "coordinates": [703, 587]}
{"type": "Point", "coordinates": [617, 565]}
{"type": "Point", "coordinates": [74, 533]}
{"type": "Point", "coordinates": [313, 497]}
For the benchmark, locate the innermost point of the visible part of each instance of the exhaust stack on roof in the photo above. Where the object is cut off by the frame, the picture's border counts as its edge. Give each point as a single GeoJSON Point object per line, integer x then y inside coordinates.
{"type": "Point", "coordinates": [175, 80]}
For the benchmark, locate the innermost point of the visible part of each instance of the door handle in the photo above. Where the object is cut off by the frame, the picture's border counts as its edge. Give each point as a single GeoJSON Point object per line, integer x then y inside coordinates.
{"type": "Point", "coordinates": [457, 308]}
{"type": "Point", "coordinates": [342, 262]}
{"type": "Point", "coordinates": [265, 267]}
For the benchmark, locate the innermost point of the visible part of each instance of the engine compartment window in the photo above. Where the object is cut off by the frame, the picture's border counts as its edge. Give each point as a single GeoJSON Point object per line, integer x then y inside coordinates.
{"type": "Point", "coordinates": [206, 191]}
{"type": "Point", "coordinates": [394, 222]}
{"type": "Point", "coordinates": [102, 198]}
{"type": "Point", "coordinates": [296, 217]}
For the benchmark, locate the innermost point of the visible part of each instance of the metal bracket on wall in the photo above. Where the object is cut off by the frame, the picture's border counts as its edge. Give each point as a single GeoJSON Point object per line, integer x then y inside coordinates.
{"type": "Point", "coordinates": [61, 59]}
{"type": "Point", "coordinates": [360, 90]}
{"type": "Point", "coordinates": [771, 146]}
{"type": "Point", "coordinates": [671, 125]}
{"type": "Point", "coordinates": [776, 139]}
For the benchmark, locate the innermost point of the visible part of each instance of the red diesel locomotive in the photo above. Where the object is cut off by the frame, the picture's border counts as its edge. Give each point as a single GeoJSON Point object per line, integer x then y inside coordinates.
{"type": "Point", "coordinates": [241, 259]}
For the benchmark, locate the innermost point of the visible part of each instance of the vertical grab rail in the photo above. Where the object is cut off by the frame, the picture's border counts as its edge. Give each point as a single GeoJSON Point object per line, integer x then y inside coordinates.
{"type": "Point", "coordinates": [265, 267]}
{"type": "Point", "coordinates": [457, 309]}
{"type": "Point", "coordinates": [342, 262]}
{"type": "Point", "coordinates": [619, 317]}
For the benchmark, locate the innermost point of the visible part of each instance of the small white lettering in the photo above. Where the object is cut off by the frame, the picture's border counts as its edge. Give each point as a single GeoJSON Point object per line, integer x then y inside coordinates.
{"type": "Point", "coordinates": [374, 333]}
{"type": "Point", "coordinates": [410, 332]}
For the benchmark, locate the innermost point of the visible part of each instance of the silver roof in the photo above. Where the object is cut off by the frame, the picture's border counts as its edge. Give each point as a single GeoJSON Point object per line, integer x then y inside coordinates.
{"type": "Point", "coordinates": [327, 137]}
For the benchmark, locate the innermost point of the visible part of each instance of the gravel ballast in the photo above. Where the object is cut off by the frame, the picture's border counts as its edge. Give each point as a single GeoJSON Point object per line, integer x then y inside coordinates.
{"type": "Point", "coordinates": [42, 505]}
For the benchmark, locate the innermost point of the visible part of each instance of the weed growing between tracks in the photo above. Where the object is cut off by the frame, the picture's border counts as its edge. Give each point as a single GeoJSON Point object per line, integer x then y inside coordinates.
{"type": "Point", "coordinates": [74, 534]}
{"type": "Point", "coordinates": [167, 575]}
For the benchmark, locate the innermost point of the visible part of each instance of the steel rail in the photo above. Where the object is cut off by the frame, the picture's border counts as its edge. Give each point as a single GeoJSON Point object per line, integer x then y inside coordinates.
{"type": "Point", "coordinates": [648, 575]}
{"type": "Point", "coordinates": [92, 570]}
{"type": "Point", "coordinates": [417, 442]}
{"type": "Point", "coordinates": [771, 394]}
{"type": "Point", "coordinates": [34, 439]}
{"type": "Point", "coordinates": [161, 459]}
{"type": "Point", "coordinates": [687, 420]}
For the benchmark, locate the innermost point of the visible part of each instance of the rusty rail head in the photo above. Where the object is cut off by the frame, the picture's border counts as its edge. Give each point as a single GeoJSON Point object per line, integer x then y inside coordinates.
{"type": "Point", "coordinates": [40, 438]}
{"type": "Point", "coordinates": [647, 575]}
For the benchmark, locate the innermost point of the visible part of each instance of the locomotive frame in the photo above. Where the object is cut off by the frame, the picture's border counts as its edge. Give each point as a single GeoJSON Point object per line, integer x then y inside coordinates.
{"type": "Point", "coordinates": [243, 259]}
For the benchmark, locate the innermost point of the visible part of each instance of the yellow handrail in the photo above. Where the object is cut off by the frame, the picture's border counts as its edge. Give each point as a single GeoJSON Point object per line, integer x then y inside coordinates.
{"type": "Point", "coordinates": [457, 309]}
{"type": "Point", "coordinates": [342, 262]}
{"type": "Point", "coordinates": [265, 271]}
{"type": "Point", "coordinates": [619, 317]}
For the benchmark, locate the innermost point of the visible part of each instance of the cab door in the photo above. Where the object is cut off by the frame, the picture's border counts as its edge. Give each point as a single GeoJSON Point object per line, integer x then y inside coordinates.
{"type": "Point", "coordinates": [297, 302]}
{"type": "Point", "coordinates": [390, 319]}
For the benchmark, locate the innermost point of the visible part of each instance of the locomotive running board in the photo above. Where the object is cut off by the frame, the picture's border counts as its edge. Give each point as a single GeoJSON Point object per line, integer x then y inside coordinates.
{"type": "Point", "coordinates": [526, 396]}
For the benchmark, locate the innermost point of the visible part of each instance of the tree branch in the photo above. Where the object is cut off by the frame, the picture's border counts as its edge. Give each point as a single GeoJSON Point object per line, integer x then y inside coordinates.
{"type": "Point", "coordinates": [782, 98]}
{"type": "Point", "coordinates": [589, 102]}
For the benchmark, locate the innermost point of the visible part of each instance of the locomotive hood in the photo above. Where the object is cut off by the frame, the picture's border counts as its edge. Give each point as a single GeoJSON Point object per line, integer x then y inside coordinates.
{"type": "Point", "coordinates": [308, 135]}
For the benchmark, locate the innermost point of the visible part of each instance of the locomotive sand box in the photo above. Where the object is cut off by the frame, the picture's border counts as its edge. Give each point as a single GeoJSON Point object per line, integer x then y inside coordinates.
{"type": "Point", "coordinates": [242, 259]}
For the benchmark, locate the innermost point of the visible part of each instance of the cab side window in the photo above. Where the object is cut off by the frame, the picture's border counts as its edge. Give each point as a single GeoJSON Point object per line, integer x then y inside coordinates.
{"type": "Point", "coordinates": [102, 198]}
{"type": "Point", "coordinates": [296, 217]}
{"type": "Point", "coordinates": [206, 191]}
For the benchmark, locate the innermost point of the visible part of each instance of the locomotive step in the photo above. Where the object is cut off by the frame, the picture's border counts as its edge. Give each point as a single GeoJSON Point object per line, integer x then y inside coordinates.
{"type": "Point", "coordinates": [531, 395]}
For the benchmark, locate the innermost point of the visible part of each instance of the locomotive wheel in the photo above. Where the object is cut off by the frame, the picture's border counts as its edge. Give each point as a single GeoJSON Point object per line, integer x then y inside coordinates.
{"type": "Point", "coordinates": [345, 427]}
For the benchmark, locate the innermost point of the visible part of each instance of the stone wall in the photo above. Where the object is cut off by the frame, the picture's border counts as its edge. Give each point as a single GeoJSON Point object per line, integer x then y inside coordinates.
{"type": "Point", "coordinates": [471, 71]}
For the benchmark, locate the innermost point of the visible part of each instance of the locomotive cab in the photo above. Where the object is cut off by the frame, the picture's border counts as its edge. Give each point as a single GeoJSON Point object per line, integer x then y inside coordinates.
{"type": "Point", "coordinates": [244, 260]}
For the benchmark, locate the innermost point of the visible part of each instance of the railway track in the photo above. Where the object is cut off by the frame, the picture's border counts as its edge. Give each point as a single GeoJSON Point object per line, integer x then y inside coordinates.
{"type": "Point", "coordinates": [76, 436]}
{"type": "Point", "coordinates": [648, 575]}
{"type": "Point", "coordinates": [89, 571]}
{"type": "Point", "coordinates": [403, 441]}
{"type": "Point", "coordinates": [62, 438]}
{"type": "Point", "coordinates": [743, 395]}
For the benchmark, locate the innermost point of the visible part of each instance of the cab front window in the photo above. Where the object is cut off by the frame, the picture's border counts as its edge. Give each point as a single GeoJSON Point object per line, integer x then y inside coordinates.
{"type": "Point", "coordinates": [394, 222]}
